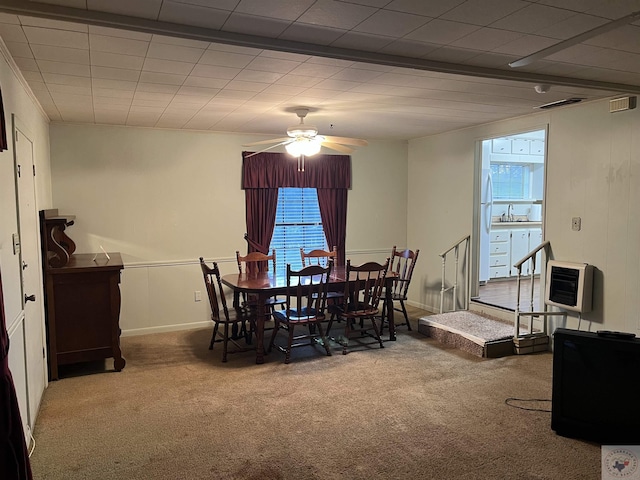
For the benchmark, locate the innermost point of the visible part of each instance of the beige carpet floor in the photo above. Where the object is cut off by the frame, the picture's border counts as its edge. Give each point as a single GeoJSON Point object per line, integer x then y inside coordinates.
{"type": "Point", "coordinates": [416, 409]}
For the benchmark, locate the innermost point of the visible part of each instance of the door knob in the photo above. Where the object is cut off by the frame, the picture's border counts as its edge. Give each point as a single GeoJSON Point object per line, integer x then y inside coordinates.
{"type": "Point", "coordinates": [29, 298]}
{"type": "Point", "coordinates": [24, 265]}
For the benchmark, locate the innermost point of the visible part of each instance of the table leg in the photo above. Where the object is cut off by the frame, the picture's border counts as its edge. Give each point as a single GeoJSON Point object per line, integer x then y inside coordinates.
{"type": "Point", "coordinates": [260, 329]}
{"type": "Point", "coordinates": [389, 303]}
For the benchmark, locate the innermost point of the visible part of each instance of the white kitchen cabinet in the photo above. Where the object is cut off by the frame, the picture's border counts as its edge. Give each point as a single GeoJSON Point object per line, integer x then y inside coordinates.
{"type": "Point", "coordinates": [536, 147]}
{"type": "Point", "coordinates": [519, 248]}
{"type": "Point", "coordinates": [520, 146]}
{"type": "Point", "coordinates": [535, 239]}
{"type": "Point", "coordinates": [499, 254]}
{"type": "Point", "coordinates": [501, 145]}
{"type": "Point", "coordinates": [509, 245]}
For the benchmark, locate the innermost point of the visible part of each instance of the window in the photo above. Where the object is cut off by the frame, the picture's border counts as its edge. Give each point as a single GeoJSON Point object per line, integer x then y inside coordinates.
{"type": "Point", "coordinates": [511, 181]}
{"type": "Point", "coordinates": [298, 224]}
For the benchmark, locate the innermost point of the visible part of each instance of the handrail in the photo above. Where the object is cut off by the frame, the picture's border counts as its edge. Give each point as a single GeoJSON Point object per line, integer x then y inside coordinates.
{"type": "Point", "coordinates": [454, 287]}
{"type": "Point", "coordinates": [531, 254]}
{"type": "Point", "coordinates": [518, 265]}
{"type": "Point", "coordinates": [455, 245]}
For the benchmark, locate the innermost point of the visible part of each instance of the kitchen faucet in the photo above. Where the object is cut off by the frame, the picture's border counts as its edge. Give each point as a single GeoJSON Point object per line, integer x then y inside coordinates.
{"type": "Point", "coordinates": [509, 214]}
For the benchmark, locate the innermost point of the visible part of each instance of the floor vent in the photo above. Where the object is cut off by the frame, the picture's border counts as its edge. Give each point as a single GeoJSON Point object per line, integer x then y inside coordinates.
{"type": "Point", "coordinates": [560, 103]}
{"type": "Point", "coordinates": [622, 104]}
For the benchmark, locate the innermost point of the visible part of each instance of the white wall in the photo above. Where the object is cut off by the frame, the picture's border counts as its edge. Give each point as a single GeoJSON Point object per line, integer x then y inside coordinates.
{"type": "Point", "coordinates": [592, 172]}
{"type": "Point", "coordinates": [163, 198]}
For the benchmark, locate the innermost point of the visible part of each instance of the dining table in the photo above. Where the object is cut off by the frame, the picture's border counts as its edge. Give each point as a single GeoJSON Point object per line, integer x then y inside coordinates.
{"type": "Point", "coordinates": [264, 285]}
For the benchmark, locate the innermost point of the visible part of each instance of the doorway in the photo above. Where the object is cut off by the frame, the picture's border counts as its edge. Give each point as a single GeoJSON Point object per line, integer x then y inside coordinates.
{"type": "Point", "coordinates": [510, 200]}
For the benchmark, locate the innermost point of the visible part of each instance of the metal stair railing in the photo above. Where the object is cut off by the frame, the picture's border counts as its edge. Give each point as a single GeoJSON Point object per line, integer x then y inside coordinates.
{"type": "Point", "coordinates": [456, 249]}
{"type": "Point", "coordinates": [531, 314]}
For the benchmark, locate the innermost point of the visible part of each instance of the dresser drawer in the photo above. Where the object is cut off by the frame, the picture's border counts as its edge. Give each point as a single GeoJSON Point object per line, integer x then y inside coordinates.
{"type": "Point", "coordinates": [499, 260]}
{"type": "Point", "coordinates": [498, 272]}
{"type": "Point", "coordinates": [500, 236]}
{"type": "Point", "coordinates": [499, 249]}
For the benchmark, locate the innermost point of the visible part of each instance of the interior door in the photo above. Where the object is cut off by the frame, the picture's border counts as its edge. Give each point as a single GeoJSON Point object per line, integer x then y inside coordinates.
{"type": "Point", "coordinates": [31, 273]}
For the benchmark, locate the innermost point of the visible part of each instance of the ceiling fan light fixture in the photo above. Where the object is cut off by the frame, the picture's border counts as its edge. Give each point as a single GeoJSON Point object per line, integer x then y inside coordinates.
{"type": "Point", "coordinates": [302, 130]}
{"type": "Point", "coordinates": [303, 146]}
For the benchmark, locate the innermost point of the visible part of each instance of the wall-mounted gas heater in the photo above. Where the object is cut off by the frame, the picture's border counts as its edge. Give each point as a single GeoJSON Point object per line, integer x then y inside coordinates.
{"type": "Point", "coordinates": [569, 286]}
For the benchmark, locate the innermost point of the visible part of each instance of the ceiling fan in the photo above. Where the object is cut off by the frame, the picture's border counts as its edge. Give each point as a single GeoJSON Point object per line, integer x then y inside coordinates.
{"type": "Point", "coordinates": [303, 140]}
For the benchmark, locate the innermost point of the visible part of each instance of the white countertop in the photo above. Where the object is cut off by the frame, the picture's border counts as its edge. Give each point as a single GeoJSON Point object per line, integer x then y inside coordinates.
{"type": "Point", "coordinates": [516, 224]}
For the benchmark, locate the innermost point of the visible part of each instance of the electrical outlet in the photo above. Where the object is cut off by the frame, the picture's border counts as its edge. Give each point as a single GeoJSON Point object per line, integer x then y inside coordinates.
{"type": "Point", "coordinates": [576, 223]}
{"type": "Point", "coordinates": [197, 296]}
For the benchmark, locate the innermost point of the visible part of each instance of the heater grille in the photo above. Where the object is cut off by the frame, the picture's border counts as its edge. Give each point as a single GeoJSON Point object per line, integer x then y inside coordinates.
{"type": "Point", "coordinates": [622, 104]}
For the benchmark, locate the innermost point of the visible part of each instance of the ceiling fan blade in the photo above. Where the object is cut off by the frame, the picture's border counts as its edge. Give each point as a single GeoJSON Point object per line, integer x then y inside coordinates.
{"type": "Point", "coordinates": [347, 141]}
{"type": "Point", "coordinates": [337, 147]}
{"type": "Point", "coordinates": [288, 140]}
{"type": "Point", "coordinates": [264, 142]}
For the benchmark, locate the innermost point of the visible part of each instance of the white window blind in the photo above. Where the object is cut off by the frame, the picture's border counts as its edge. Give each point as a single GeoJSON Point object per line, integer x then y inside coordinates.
{"type": "Point", "coordinates": [298, 224]}
{"type": "Point", "coordinates": [510, 181]}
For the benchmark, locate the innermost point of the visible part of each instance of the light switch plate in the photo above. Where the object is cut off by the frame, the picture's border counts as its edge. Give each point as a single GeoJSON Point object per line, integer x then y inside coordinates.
{"type": "Point", "coordinates": [576, 224]}
{"type": "Point", "coordinates": [16, 243]}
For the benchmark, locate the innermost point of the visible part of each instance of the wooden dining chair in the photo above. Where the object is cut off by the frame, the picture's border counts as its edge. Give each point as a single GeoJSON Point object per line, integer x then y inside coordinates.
{"type": "Point", "coordinates": [258, 262]}
{"type": "Point", "coordinates": [362, 294]}
{"type": "Point", "coordinates": [305, 307]}
{"type": "Point", "coordinates": [401, 263]}
{"type": "Point", "coordinates": [318, 257]}
{"type": "Point", "coordinates": [238, 317]}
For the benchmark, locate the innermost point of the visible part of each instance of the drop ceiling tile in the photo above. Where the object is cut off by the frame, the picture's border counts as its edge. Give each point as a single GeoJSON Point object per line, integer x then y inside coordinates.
{"type": "Point", "coordinates": [391, 24]}
{"type": "Point", "coordinates": [212, 71]}
{"type": "Point", "coordinates": [163, 78]}
{"type": "Point", "coordinates": [201, 91]}
{"type": "Point", "coordinates": [194, 15]}
{"type": "Point", "coordinates": [450, 54]}
{"type": "Point", "coordinates": [116, 60]}
{"type": "Point", "coordinates": [483, 12]}
{"type": "Point", "coordinates": [441, 32]}
{"type": "Point", "coordinates": [18, 49]}
{"type": "Point", "coordinates": [525, 45]}
{"type": "Point", "coordinates": [532, 18]}
{"type": "Point", "coordinates": [331, 13]}
{"type": "Point", "coordinates": [69, 100]}
{"type": "Point", "coordinates": [356, 75]}
{"type": "Point", "coordinates": [167, 66]}
{"type": "Point", "coordinates": [183, 42]}
{"type": "Point", "coordinates": [571, 26]}
{"type": "Point", "coordinates": [193, 102]}
{"type": "Point", "coordinates": [162, 97]}
{"type": "Point", "coordinates": [334, 62]}
{"type": "Point", "coordinates": [54, 24]}
{"type": "Point", "coordinates": [194, 81]}
{"type": "Point", "coordinates": [111, 117]}
{"type": "Point", "coordinates": [245, 86]}
{"type": "Point", "coordinates": [142, 119]}
{"type": "Point", "coordinates": [139, 8]}
{"type": "Point", "coordinates": [432, 8]}
{"type": "Point", "coordinates": [77, 116]}
{"type": "Point", "coordinates": [231, 95]}
{"type": "Point", "coordinates": [9, 18]}
{"type": "Point", "coordinates": [253, 25]}
{"type": "Point", "coordinates": [112, 93]}
{"type": "Point", "coordinates": [33, 76]}
{"type": "Point", "coordinates": [114, 73]}
{"type": "Point", "coordinates": [294, 57]}
{"type": "Point", "coordinates": [623, 38]}
{"type": "Point", "coordinates": [284, 89]}
{"type": "Point", "coordinates": [146, 110]}
{"type": "Point", "coordinates": [283, 9]}
{"type": "Point", "coordinates": [225, 59]}
{"type": "Point", "coordinates": [117, 33]}
{"type": "Point", "coordinates": [38, 86]}
{"type": "Point", "coordinates": [12, 33]}
{"type": "Point", "coordinates": [486, 39]}
{"type": "Point", "coordinates": [340, 85]}
{"type": "Point", "coordinates": [111, 101]}
{"type": "Point", "coordinates": [156, 88]}
{"type": "Point", "coordinates": [320, 93]}
{"type": "Point", "coordinates": [272, 65]}
{"type": "Point", "coordinates": [174, 52]}
{"type": "Point", "coordinates": [60, 54]}
{"type": "Point", "coordinates": [72, 89]}
{"type": "Point", "coordinates": [614, 9]}
{"type": "Point", "coordinates": [316, 70]}
{"type": "Point", "coordinates": [64, 68]}
{"type": "Point", "coordinates": [114, 84]}
{"type": "Point", "coordinates": [57, 38]}
{"type": "Point", "coordinates": [150, 103]}
{"type": "Point", "coordinates": [298, 81]}
{"type": "Point", "coordinates": [316, 34]}
{"type": "Point", "coordinates": [27, 64]}
{"type": "Point", "coordinates": [124, 46]}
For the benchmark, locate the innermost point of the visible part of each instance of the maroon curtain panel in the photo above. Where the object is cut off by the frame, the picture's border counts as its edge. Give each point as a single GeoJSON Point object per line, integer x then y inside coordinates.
{"type": "Point", "coordinates": [3, 126]}
{"type": "Point", "coordinates": [264, 173]}
{"type": "Point", "coordinates": [14, 457]}
{"type": "Point", "coordinates": [333, 210]}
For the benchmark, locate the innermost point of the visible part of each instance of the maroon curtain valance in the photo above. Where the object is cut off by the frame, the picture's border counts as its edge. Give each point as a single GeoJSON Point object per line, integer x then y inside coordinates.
{"type": "Point", "coordinates": [275, 170]}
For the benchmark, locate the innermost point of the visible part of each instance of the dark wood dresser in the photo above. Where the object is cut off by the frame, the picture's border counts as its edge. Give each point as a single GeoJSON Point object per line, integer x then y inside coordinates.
{"type": "Point", "coordinates": [82, 298]}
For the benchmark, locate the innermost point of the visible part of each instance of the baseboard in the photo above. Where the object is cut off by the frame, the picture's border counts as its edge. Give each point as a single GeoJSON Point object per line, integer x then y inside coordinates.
{"type": "Point", "coordinates": [165, 328]}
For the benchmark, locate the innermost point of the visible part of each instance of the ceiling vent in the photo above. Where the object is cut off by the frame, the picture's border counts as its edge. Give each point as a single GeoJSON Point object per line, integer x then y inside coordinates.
{"type": "Point", "coordinates": [622, 104]}
{"type": "Point", "coordinates": [560, 103]}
